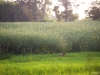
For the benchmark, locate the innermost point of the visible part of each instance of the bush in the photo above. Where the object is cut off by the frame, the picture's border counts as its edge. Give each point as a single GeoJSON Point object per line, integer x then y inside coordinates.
{"type": "Point", "coordinates": [5, 56]}
{"type": "Point", "coordinates": [76, 47]}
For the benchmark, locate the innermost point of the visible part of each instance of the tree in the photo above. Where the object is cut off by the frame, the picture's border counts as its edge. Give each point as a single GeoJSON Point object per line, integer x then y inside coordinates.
{"type": "Point", "coordinates": [67, 14]}
{"type": "Point", "coordinates": [94, 11]}
{"type": "Point", "coordinates": [11, 11]}
{"type": "Point", "coordinates": [24, 10]}
{"type": "Point", "coordinates": [44, 7]}
{"type": "Point", "coordinates": [57, 13]}
{"type": "Point", "coordinates": [34, 9]}
{"type": "Point", "coordinates": [68, 9]}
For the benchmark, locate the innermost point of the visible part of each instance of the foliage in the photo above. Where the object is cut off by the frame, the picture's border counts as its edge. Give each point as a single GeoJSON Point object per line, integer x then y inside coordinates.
{"type": "Point", "coordinates": [33, 10]}
{"type": "Point", "coordinates": [58, 15]}
{"type": "Point", "coordinates": [22, 10]}
{"type": "Point", "coordinates": [67, 14]}
{"type": "Point", "coordinates": [12, 13]}
{"type": "Point", "coordinates": [85, 63]}
{"type": "Point", "coordinates": [49, 37]}
{"type": "Point", "coordinates": [38, 8]}
{"type": "Point", "coordinates": [94, 11]}
{"type": "Point", "coordinates": [5, 56]}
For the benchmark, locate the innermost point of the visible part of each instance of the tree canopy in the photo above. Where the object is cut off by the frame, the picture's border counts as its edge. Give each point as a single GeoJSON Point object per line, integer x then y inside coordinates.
{"type": "Point", "coordinates": [24, 10]}
{"type": "Point", "coordinates": [67, 14]}
{"type": "Point", "coordinates": [94, 11]}
{"type": "Point", "coordinates": [34, 10]}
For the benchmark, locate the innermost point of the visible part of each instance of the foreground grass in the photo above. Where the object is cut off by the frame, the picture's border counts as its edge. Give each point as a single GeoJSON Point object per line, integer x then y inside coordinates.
{"type": "Point", "coordinates": [85, 63]}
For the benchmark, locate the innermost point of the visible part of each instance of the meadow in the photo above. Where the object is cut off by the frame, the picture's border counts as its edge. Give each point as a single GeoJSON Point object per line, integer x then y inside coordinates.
{"type": "Point", "coordinates": [32, 48]}
{"type": "Point", "coordinates": [83, 63]}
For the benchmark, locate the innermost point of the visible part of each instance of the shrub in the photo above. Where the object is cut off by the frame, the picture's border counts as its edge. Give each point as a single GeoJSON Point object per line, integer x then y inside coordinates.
{"type": "Point", "coordinates": [76, 47]}
{"type": "Point", "coordinates": [5, 56]}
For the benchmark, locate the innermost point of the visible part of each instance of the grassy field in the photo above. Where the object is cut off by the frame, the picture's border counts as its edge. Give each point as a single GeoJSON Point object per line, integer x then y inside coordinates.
{"type": "Point", "coordinates": [31, 38]}
{"type": "Point", "coordinates": [84, 63]}
{"type": "Point", "coordinates": [47, 37]}
{"type": "Point", "coordinates": [42, 38]}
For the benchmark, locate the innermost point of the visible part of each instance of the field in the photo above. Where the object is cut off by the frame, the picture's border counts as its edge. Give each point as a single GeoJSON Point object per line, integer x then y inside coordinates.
{"type": "Point", "coordinates": [49, 37]}
{"type": "Point", "coordinates": [32, 48]}
{"type": "Point", "coordinates": [84, 63]}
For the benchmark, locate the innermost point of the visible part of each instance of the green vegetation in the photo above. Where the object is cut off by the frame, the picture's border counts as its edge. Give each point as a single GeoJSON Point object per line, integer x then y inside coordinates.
{"type": "Point", "coordinates": [39, 45]}
{"type": "Point", "coordinates": [38, 10]}
{"type": "Point", "coordinates": [84, 63]}
{"type": "Point", "coordinates": [49, 37]}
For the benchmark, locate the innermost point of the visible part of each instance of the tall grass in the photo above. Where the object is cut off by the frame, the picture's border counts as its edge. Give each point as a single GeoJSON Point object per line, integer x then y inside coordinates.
{"type": "Point", "coordinates": [49, 37]}
{"type": "Point", "coordinates": [85, 63]}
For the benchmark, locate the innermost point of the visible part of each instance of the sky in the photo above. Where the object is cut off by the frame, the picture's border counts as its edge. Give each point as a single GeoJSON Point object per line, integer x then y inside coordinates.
{"type": "Point", "coordinates": [84, 5]}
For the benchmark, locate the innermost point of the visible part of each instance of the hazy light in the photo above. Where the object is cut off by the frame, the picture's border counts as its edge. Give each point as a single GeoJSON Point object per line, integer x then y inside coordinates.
{"type": "Point", "coordinates": [84, 5]}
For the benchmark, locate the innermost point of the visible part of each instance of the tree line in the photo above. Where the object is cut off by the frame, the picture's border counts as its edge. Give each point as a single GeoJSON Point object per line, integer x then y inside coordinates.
{"type": "Point", "coordinates": [33, 10]}
{"type": "Point", "coordinates": [39, 10]}
{"type": "Point", "coordinates": [22, 10]}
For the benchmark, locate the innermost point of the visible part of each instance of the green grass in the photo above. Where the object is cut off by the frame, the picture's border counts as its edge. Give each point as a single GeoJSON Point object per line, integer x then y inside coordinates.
{"type": "Point", "coordinates": [46, 37]}
{"type": "Point", "coordinates": [42, 38]}
{"type": "Point", "coordinates": [84, 63]}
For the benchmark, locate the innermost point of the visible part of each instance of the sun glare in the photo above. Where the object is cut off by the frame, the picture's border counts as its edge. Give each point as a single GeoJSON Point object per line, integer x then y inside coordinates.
{"type": "Point", "coordinates": [84, 5]}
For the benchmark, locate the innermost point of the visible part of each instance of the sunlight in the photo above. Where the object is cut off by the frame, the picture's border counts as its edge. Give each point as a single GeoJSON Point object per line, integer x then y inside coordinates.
{"type": "Point", "coordinates": [84, 5]}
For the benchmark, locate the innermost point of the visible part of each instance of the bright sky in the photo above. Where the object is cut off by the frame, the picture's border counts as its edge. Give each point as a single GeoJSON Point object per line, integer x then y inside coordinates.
{"type": "Point", "coordinates": [84, 4]}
